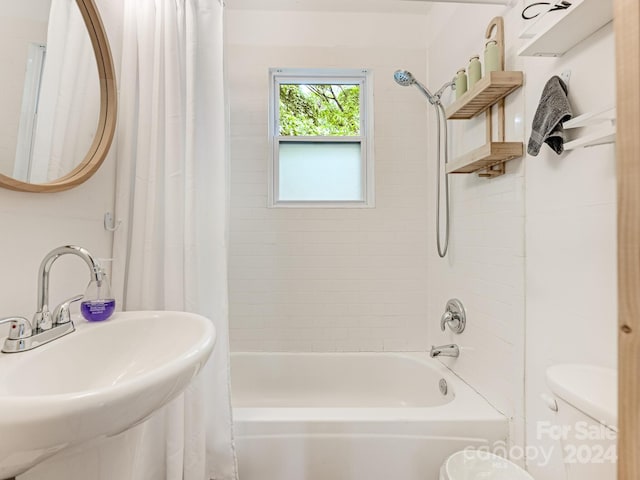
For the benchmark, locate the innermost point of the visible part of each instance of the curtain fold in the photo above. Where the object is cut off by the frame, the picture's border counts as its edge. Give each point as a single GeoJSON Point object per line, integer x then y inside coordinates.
{"type": "Point", "coordinates": [69, 99]}
{"type": "Point", "coordinates": [172, 195]}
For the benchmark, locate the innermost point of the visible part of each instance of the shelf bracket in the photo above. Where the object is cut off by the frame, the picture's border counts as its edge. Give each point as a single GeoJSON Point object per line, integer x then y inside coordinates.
{"type": "Point", "coordinates": [497, 25]}
{"type": "Point", "coordinates": [493, 171]}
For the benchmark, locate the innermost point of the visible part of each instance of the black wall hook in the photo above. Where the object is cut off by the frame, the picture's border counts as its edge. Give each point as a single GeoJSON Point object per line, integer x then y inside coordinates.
{"type": "Point", "coordinates": [562, 5]}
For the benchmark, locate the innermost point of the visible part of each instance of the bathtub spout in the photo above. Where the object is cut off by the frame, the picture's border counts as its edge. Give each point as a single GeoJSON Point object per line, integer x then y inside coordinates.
{"type": "Point", "coordinates": [445, 351]}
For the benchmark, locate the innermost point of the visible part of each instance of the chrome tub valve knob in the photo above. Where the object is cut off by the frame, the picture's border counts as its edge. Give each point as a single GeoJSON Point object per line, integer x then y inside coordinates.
{"type": "Point", "coordinates": [445, 319]}
{"type": "Point", "coordinates": [454, 316]}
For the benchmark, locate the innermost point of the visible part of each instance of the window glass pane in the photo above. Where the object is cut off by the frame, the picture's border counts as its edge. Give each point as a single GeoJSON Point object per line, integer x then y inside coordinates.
{"type": "Point", "coordinates": [320, 171]}
{"type": "Point", "coordinates": [319, 110]}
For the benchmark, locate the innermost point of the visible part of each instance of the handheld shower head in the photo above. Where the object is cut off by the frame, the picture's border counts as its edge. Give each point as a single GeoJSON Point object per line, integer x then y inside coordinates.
{"type": "Point", "coordinates": [406, 78]}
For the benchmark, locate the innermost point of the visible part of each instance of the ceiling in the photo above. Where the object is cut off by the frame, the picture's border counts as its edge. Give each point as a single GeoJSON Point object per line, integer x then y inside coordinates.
{"type": "Point", "coordinates": [364, 6]}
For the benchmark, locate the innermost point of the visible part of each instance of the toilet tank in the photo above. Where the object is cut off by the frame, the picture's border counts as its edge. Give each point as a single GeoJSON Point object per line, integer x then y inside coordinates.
{"type": "Point", "coordinates": [586, 419]}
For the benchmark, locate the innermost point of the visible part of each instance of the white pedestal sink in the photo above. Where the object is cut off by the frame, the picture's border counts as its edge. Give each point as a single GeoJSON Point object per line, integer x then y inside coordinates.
{"type": "Point", "coordinates": [98, 381]}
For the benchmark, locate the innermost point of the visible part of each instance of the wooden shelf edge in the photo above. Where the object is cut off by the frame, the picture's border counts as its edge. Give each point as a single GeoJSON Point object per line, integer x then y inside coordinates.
{"type": "Point", "coordinates": [486, 93]}
{"type": "Point", "coordinates": [490, 154]}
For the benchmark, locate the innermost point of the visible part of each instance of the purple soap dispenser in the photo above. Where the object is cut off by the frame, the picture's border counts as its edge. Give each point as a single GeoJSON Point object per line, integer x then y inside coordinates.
{"type": "Point", "coordinates": [98, 303]}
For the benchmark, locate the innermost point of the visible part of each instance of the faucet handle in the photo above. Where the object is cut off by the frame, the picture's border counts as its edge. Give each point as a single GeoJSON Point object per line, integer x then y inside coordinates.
{"type": "Point", "coordinates": [446, 318]}
{"type": "Point", "coordinates": [454, 316]}
{"type": "Point", "coordinates": [61, 314]}
{"type": "Point", "coordinates": [20, 327]}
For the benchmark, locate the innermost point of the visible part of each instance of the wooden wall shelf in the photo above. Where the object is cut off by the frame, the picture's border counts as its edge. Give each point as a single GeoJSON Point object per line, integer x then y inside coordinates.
{"type": "Point", "coordinates": [488, 160]}
{"type": "Point", "coordinates": [484, 94]}
{"type": "Point", "coordinates": [486, 156]}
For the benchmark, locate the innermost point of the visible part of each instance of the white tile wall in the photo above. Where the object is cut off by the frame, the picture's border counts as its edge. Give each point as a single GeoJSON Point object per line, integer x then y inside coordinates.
{"type": "Point", "coordinates": [328, 279]}
{"type": "Point", "coordinates": [485, 264]}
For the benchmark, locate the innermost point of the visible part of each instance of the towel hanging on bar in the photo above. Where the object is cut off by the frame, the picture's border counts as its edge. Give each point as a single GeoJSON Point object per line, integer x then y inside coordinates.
{"type": "Point", "coordinates": [554, 109]}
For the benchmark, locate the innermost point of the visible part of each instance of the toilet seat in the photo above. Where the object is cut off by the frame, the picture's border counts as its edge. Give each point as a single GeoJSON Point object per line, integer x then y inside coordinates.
{"type": "Point", "coordinates": [479, 465]}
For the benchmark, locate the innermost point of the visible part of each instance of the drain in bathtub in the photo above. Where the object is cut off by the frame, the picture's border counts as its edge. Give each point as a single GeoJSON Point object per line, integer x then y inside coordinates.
{"type": "Point", "coordinates": [443, 386]}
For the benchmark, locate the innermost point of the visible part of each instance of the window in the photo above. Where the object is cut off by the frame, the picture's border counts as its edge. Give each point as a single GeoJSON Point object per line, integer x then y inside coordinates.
{"type": "Point", "coordinates": [321, 131]}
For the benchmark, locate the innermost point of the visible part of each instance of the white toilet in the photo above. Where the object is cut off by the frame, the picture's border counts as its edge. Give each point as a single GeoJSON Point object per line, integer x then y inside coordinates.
{"type": "Point", "coordinates": [586, 402]}
{"type": "Point", "coordinates": [586, 412]}
{"type": "Point", "coordinates": [479, 465]}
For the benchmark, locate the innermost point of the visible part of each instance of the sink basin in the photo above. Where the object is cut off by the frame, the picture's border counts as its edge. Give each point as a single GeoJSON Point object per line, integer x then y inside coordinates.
{"type": "Point", "coordinates": [100, 380]}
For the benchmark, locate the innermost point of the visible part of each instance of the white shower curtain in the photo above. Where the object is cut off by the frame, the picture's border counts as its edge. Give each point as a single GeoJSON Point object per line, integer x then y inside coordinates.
{"type": "Point", "coordinates": [69, 99]}
{"type": "Point", "coordinates": [171, 193]}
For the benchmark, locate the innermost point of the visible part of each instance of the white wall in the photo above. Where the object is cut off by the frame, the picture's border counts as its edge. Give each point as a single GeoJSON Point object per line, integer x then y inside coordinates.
{"type": "Point", "coordinates": [533, 254]}
{"type": "Point", "coordinates": [328, 279]}
{"type": "Point", "coordinates": [34, 224]}
{"type": "Point", "coordinates": [485, 264]}
{"type": "Point", "coordinates": [571, 286]}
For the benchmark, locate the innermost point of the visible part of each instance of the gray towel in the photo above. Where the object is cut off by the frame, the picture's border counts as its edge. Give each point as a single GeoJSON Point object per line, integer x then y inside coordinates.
{"type": "Point", "coordinates": [553, 110]}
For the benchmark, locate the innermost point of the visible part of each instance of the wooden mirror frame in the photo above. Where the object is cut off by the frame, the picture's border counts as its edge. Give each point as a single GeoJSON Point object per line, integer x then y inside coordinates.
{"type": "Point", "coordinates": [627, 38]}
{"type": "Point", "coordinates": [106, 120]}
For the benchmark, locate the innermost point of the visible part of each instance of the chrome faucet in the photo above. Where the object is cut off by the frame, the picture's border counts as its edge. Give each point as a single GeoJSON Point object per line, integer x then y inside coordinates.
{"type": "Point", "coordinates": [445, 351]}
{"type": "Point", "coordinates": [42, 319]}
{"type": "Point", "coordinates": [45, 327]}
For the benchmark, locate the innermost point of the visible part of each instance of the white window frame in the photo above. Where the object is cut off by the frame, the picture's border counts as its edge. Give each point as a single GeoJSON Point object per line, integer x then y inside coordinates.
{"type": "Point", "coordinates": [361, 77]}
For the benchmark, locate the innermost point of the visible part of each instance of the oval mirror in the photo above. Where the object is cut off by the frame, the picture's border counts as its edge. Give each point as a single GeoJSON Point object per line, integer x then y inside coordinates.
{"type": "Point", "coordinates": [57, 92]}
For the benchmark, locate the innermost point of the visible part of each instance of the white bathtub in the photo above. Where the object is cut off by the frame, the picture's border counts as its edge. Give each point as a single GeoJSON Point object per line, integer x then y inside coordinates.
{"type": "Point", "coordinates": [360, 416]}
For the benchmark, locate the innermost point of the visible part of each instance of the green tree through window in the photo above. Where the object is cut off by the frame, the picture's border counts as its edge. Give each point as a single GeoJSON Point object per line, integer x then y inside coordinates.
{"type": "Point", "coordinates": [319, 110]}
